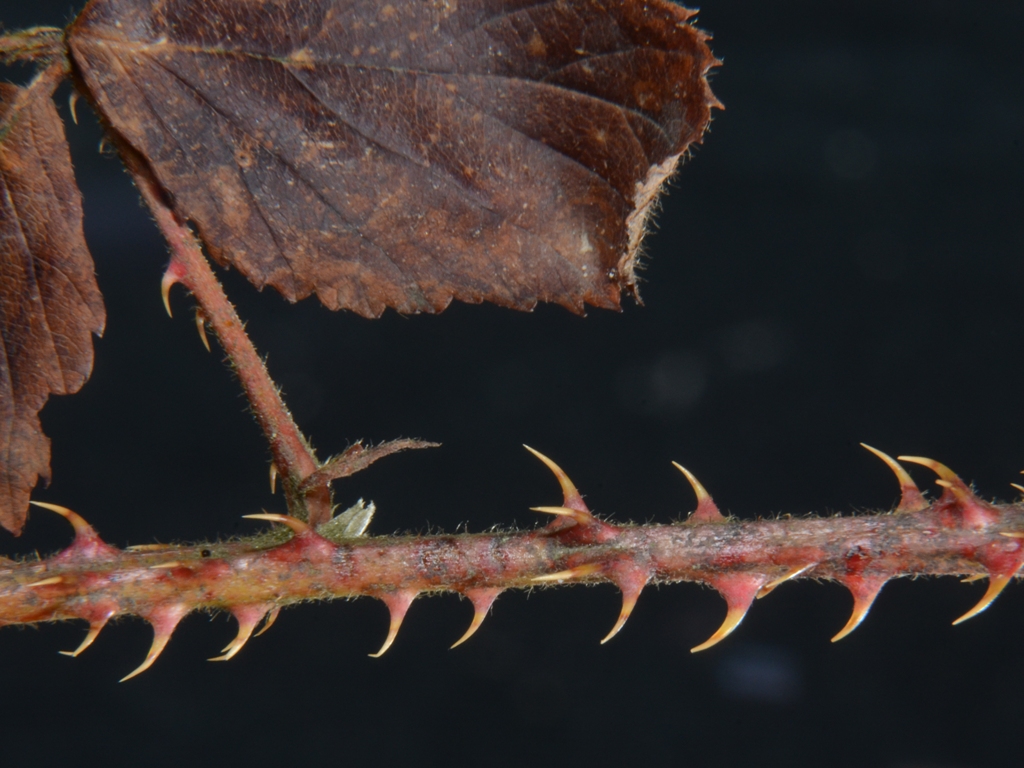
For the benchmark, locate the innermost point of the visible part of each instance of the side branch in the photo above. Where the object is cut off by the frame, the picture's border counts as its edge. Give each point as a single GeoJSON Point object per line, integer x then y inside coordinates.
{"type": "Point", "coordinates": [292, 456]}
{"type": "Point", "coordinates": [38, 44]}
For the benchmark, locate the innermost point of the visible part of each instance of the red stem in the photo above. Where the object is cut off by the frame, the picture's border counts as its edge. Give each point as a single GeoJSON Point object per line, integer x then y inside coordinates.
{"type": "Point", "coordinates": [958, 533]}
{"type": "Point", "coordinates": [292, 455]}
{"type": "Point", "coordinates": [741, 560]}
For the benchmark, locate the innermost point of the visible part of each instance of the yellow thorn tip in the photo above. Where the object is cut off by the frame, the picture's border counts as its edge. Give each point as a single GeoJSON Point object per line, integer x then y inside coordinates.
{"type": "Point", "coordinates": [941, 470]}
{"type": "Point", "coordinates": [201, 327]}
{"type": "Point", "coordinates": [563, 511]}
{"type": "Point", "coordinates": [271, 618]}
{"type": "Point", "coordinates": [72, 106]}
{"type": "Point", "coordinates": [166, 282]}
{"type": "Point", "coordinates": [77, 521]}
{"type": "Point", "coordinates": [572, 573]}
{"type": "Point", "coordinates": [395, 625]}
{"type": "Point", "coordinates": [147, 547]}
{"type": "Point", "coordinates": [46, 582]}
{"type": "Point", "coordinates": [698, 489]}
{"type": "Point", "coordinates": [568, 489]}
{"type": "Point", "coordinates": [996, 584]}
{"type": "Point", "coordinates": [732, 620]}
{"type": "Point", "coordinates": [478, 619]}
{"type": "Point", "coordinates": [398, 606]}
{"type": "Point", "coordinates": [791, 574]}
{"type": "Point", "coordinates": [706, 511]}
{"type": "Point", "coordinates": [159, 643]}
{"type": "Point", "coordinates": [628, 604]}
{"type": "Point", "coordinates": [482, 600]}
{"type": "Point", "coordinates": [860, 611]}
{"type": "Point", "coordinates": [911, 499]}
{"type": "Point", "coordinates": [245, 628]}
{"type": "Point", "coordinates": [90, 638]}
{"type": "Point", "coordinates": [292, 522]}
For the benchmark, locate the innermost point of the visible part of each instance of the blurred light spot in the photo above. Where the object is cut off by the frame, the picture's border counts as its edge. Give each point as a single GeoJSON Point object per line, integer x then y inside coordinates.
{"type": "Point", "coordinates": [512, 387]}
{"type": "Point", "coordinates": [850, 154]}
{"type": "Point", "coordinates": [881, 255]}
{"type": "Point", "coordinates": [759, 674]}
{"type": "Point", "coordinates": [670, 386]}
{"type": "Point", "coordinates": [755, 346]}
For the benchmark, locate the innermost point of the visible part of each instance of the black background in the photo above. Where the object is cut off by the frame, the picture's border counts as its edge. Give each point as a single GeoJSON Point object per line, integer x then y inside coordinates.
{"type": "Point", "coordinates": [841, 261]}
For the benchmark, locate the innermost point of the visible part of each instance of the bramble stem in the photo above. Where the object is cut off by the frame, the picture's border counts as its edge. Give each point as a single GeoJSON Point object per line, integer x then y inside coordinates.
{"type": "Point", "coordinates": [292, 455]}
{"type": "Point", "coordinates": [742, 560]}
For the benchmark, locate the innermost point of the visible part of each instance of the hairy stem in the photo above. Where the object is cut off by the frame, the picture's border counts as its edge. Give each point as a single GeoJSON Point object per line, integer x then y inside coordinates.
{"type": "Point", "coordinates": [293, 458]}
{"type": "Point", "coordinates": [34, 44]}
{"type": "Point", "coordinates": [958, 534]}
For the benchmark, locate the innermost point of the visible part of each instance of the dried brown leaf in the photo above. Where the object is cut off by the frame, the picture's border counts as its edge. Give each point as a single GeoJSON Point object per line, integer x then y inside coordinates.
{"type": "Point", "coordinates": [49, 300]}
{"type": "Point", "coordinates": [401, 154]}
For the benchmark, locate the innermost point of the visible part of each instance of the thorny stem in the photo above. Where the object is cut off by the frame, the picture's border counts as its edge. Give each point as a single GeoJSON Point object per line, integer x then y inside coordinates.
{"type": "Point", "coordinates": [957, 534]}
{"type": "Point", "coordinates": [292, 455]}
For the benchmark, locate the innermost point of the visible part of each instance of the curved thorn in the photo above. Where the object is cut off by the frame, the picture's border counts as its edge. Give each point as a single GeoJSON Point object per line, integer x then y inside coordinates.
{"type": "Point", "coordinates": [163, 622]}
{"type": "Point", "coordinates": [166, 283]}
{"type": "Point", "coordinates": [859, 612]}
{"type": "Point", "coordinates": [201, 327]}
{"type": "Point", "coordinates": [911, 498]}
{"type": "Point", "coordinates": [628, 604]}
{"type": "Point", "coordinates": [166, 566]}
{"type": "Point", "coordinates": [573, 573]}
{"type": "Point", "coordinates": [1018, 487]}
{"type": "Point", "coordinates": [159, 643]}
{"type": "Point", "coordinates": [148, 547]}
{"type": "Point", "coordinates": [248, 617]}
{"type": "Point", "coordinates": [482, 600]}
{"type": "Point", "coordinates": [271, 618]}
{"type": "Point", "coordinates": [941, 470]}
{"type": "Point", "coordinates": [564, 511]}
{"type": "Point", "coordinates": [580, 517]}
{"type": "Point", "coordinates": [629, 598]}
{"type": "Point", "coordinates": [631, 579]}
{"type": "Point", "coordinates": [739, 592]}
{"type": "Point", "coordinates": [864, 592]}
{"type": "Point", "coordinates": [571, 496]}
{"type": "Point", "coordinates": [792, 573]}
{"type": "Point", "coordinates": [996, 584]}
{"type": "Point", "coordinates": [72, 106]}
{"type": "Point", "coordinates": [698, 489]}
{"type": "Point", "coordinates": [1012, 534]}
{"type": "Point", "coordinates": [90, 637]}
{"type": "Point", "coordinates": [948, 479]}
{"type": "Point", "coordinates": [273, 478]}
{"type": "Point", "coordinates": [975, 577]}
{"type": "Point", "coordinates": [81, 527]}
{"type": "Point", "coordinates": [292, 522]}
{"type": "Point", "coordinates": [398, 604]}
{"type": "Point", "coordinates": [94, 631]}
{"type": "Point", "coordinates": [46, 582]}
{"type": "Point", "coordinates": [707, 511]}
{"type": "Point", "coordinates": [732, 620]}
